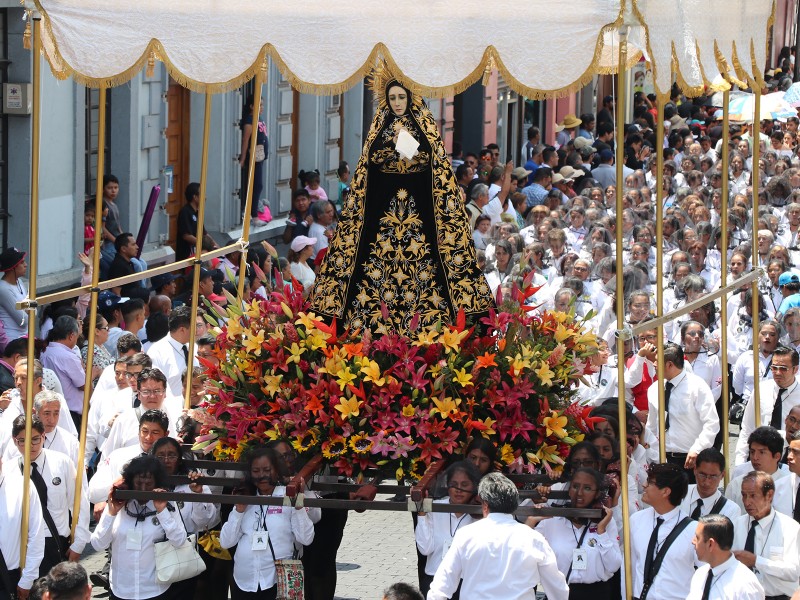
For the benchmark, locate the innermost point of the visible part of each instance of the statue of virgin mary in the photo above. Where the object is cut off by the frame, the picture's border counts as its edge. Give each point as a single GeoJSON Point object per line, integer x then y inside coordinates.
{"type": "Point", "coordinates": [403, 241]}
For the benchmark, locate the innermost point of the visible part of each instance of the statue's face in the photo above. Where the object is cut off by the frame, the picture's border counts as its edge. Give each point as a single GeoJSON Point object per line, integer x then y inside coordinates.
{"type": "Point", "coordinates": [398, 100]}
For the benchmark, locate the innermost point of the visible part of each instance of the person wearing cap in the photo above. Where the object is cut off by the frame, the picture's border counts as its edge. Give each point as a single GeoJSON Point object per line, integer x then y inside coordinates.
{"type": "Point", "coordinates": [12, 290]}
{"type": "Point", "coordinates": [789, 285]}
{"type": "Point", "coordinates": [566, 130]}
{"type": "Point", "coordinates": [164, 284]}
{"type": "Point", "coordinates": [302, 249]}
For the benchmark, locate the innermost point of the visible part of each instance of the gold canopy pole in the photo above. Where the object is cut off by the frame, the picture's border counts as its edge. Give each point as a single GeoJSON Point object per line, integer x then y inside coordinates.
{"type": "Point", "coordinates": [260, 78]}
{"type": "Point", "coordinates": [756, 176]}
{"type": "Point", "coordinates": [201, 215]}
{"type": "Point", "coordinates": [723, 308]}
{"type": "Point", "coordinates": [87, 390]}
{"type": "Point", "coordinates": [662, 451]}
{"type": "Point", "coordinates": [36, 125]}
{"type": "Point", "coordinates": [621, 404]}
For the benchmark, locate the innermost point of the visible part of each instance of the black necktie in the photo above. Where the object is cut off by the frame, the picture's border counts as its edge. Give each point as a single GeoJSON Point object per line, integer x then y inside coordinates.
{"type": "Point", "coordinates": [667, 391]}
{"type": "Point", "coordinates": [696, 511]}
{"type": "Point", "coordinates": [707, 587]}
{"type": "Point", "coordinates": [750, 542]}
{"type": "Point", "coordinates": [651, 548]}
{"type": "Point", "coordinates": [777, 410]}
{"type": "Point", "coordinates": [796, 514]}
{"type": "Point", "coordinates": [38, 481]}
{"type": "Point", "coordinates": [785, 458]}
{"type": "Point", "coordinates": [185, 354]}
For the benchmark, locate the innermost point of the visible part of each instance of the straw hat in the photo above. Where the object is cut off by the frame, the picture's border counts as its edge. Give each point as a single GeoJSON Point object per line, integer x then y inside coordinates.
{"type": "Point", "coordinates": [569, 122]}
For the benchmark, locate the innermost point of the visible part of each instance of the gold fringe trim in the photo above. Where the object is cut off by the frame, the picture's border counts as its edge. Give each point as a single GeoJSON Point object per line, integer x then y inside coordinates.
{"type": "Point", "coordinates": [28, 34]}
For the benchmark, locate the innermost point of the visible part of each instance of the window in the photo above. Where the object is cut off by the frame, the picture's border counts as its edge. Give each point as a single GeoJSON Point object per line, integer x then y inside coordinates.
{"type": "Point", "coordinates": [92, 118]}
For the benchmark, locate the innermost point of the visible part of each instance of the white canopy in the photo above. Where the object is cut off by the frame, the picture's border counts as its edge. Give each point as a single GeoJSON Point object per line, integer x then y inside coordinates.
{"type": "Point", "coordinates": [542, 47]}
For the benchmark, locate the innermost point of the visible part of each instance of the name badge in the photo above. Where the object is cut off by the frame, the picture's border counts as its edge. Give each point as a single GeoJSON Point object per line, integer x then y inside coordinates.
{"type": "Point", "coordinates": [445, 547]}
{"type": "Point", "coordinates": [260, 540]}
{"type": "Point", "coordinates": [579, 559]}
{"type": "Point", "coordinates": [133, 540]}
{"type": "Point", "coordinates": [275, 510]}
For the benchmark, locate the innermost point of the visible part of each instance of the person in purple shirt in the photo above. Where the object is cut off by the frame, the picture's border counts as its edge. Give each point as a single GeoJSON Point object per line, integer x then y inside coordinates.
{"type": "Point", "coordinates": [60, 356]}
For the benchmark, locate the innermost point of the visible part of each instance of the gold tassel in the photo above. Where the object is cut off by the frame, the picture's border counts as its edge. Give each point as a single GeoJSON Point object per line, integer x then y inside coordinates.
{"type": "Point", "coordinates": [487, 72]}
{"type": "Point", "coordinates": [27, 35]}
{"type": "Point", "coordinates": [151, 64]}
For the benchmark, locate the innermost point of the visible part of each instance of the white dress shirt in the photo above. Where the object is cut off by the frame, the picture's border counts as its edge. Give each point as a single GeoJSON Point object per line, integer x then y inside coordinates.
{"type": "Point", "coordinates": [109, 469]}
{"type": "Point", "coordinates": [743, 373]}
{"type": "Point", "coordinates": [254, 569]}
{"type": "Point", "coordinates": [498, 558]}
{"type": "Point", "coordinates": [107, 406]}
{"type": "Point", "coordinates": [107, 382]}
{"type": "Point", "coordinates": [197, 516]}
{"type": "Point", "coordinates": [11, 486]}
{"type": "Point", "coordinates": [15, 409]}
{"type": "Point", "coordinates": [58, 440]}
{"type": "Point", "coordinates": [672, 580]}
{"type": "Point", "coordinates": [731, 581]}
{"type": "Point", "coordinates": [133, 565]}
{"type": "Point", "coordinates": [768, 394]}
{"type": "Point", "coordinates": [706, 367]}
{"type": "Point", "coordinates": [730, 509]}
{"type": "Point", "coordinates": [603, 555]}
{"type": "Point", "coordinates": [693, 420]}
{"type": "Point", "coordinates": [58, 473]}
{"type": "Point", "coordinates": [777, 550]}
{"type": "Point", "coordinates": [734, 489]}
{"type": "Point", "coordinates": [125, 431]}
{"type": "Point", "coordinates": [786, 494]}
{"type": "Point", "coordinates": [167, 356]}
{"type": "Point", "coordinates": [434, 534]}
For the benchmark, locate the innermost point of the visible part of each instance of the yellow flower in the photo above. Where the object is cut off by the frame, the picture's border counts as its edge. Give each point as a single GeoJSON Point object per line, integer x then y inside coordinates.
{"type": "Point", "coordinates": [399, 475]}
{"type": "Point", "coordinates": [296, 353]}
{"type": "Point", "coordinates": [360, 443]}
{"type": "Point", "coordinates": [517, 364]}
{"type": "Point", "coordinates": [305, 442]}
{"type": "Point", "coordinates": [451, 340]}
{"type": "Point", "coordinates": [548, 454]}
{"type": "Point", "coordinates": [273, 384]}
{"type": "Point", "coordinates": [507, 454]}
{"type": "Point", "coordinates": [235, 328]}
{"type": "Point", "coordinates": [426, 338]}
{"type": "Point", "coordinates": [334, 447]}
{"type": "Point", "coordinates": [463, 378]}
{"type": "Point", "coordinates": [555, 424]}
{"type": "Point", "coordinates": [253, 342]}
{"type": "Point", "coordinates": [317, 339]}
{"type": "Point", "coordinates": [307, 320]}
{"type": "Point", "coordinates": [372, 372]}
{"type": "Point", "coordinates": [489, 424]}
{"type": "Point", "coordinates": [344, 377]}
{"type": "Point", "coordinates": [253, 310]}
{"type": "Point", "coordinates": [446, 406]}
{"type": "Point", "coordinates": [409, 411]}
{"type": "Point", "coordinates": [562, 333]}
{"type": "Point", "coordinates": [348, 407]}
{"type": "Point", "coordinates": [545, 374]}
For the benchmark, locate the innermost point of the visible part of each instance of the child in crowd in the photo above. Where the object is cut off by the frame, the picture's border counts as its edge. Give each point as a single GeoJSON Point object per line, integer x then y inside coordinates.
{"type": "Point", "coordinates": [310, 180]}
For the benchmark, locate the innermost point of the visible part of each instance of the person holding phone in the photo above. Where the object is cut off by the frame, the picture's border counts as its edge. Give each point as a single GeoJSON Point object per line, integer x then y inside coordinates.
{"type": "Point", "coordinates": [587, 552]}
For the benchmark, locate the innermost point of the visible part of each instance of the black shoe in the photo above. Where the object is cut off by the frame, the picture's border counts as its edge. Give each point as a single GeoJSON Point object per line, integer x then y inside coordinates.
{"type": "Point", "coordinates": [99, 580]}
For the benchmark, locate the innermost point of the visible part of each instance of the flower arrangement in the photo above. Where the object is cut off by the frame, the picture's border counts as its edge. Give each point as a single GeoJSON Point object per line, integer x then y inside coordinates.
{"type": "Point", "coordinates": [395, 402]}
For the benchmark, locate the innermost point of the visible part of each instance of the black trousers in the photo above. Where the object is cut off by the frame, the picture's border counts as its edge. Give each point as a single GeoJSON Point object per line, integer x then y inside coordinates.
{"type": "Point", "coordinates": [13, 575]}
{"type": "Point", "coordinates": [319, 558]}
{"type": "Point", "coordinates": [237, 594]}
{"type": "Point", "coordinates": [589, 591]}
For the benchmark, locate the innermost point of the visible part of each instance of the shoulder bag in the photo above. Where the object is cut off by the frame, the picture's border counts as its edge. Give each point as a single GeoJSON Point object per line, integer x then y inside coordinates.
{"type": "Point", "coordinates": [178, 564]}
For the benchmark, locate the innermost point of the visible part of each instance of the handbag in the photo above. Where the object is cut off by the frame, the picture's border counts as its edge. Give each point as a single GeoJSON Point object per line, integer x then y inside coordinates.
{"type": "Point", "coordinates": [260, 153]}
{"type": "Point", "coordinates": [178, 564]}
{"type": "Point", "coordinates": [289, 576]}
{"type": "Point", "coordinates": [209, 542]}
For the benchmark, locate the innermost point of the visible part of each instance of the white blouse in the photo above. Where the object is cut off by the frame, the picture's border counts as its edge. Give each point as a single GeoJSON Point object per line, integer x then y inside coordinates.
{"type": "Point", "coordinates": [435, 533]}
{"type": "Point", "coordinates": [601, 551]}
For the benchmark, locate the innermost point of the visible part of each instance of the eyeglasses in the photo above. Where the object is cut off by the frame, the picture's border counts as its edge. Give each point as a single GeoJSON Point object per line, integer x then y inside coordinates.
{"type": "Point", "coordinates": [588, 462]}
{"type": "Point", "coordinates": [151, 393]}
{"type": "Point", "coordinates": [170, 457]}
{"type": "Point", "coordinates": [34, 441]}
{"type": "Point", "coordinates": [133, 375]}
{"type": "Point", "coordinates": [707, 477]}
{"type": "Point", "coordinates": [455, 488]}
{"type": "Point", "coordinates": [103, 328]}
{"type": "Point", "coordinates": [779, 368]}
{"type": "Point", "coordinates": [790, 420]}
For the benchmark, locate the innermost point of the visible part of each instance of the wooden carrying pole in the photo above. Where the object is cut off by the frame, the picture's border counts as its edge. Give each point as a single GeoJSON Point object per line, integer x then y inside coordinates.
{"type": "Point", "coordinates": [201, 215]}
{"type": "Point", "coordinates": [623, 441]}
{"type": "Point", "coordinates": [87, 390]}
{"type": "Point", "coordinates": [756, 175]}
{"type": "Point", "coordinates": [36, 123]}
{"type": "Point", "coordinates": [261, 77]}
{"type": "Point", "coordinates": [726, 95]}
{"type": "Point", "coordinates": [660, 243]}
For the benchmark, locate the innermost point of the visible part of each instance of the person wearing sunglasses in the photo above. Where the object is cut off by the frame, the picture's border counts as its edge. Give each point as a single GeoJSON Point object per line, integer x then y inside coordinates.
{"type": "Point", "coordinates": [435, 530]}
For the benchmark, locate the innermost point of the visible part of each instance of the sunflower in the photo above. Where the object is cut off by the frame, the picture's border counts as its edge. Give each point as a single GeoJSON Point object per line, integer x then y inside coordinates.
{"type": "Point", "coordinates": [360, 443]}
{"type": "Point", "coordinates": [305, 441]}
{"type": "Point", "coordinates": [417, 469]}
{"type": "Point", "coordinates": [334, 447]}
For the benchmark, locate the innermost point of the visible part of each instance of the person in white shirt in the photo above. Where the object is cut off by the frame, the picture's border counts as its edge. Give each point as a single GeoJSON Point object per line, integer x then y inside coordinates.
{"type": "Point", "coordinates": [767, 541]}
{"type": "Point", "coordinates": [11, 500]}
{"type": "Point", "coordinates": [768, 336]}
{"type": "Point", "coordinates": [320, 230]}
{"type": "Point", "coordinates": [766, 448]}
{"type": "Point", "coordinates": [662, 569]}
{"type": "Point", "coordinates": [152, 395]}
{"type": "Point", "coordinates": [787, 489]}
{"type": "Point", "coordinates": [706, 497]}
{"type": "Point", "coordinates": [777, 397]}
{"type": "Point", "coordinates": [723, 577]}
{"type": "Point", "coordinates": [434, 532]}
{"type": "Point", "coordinates": [302, 249]}
{"type": "Point", "coordinates": [171, 353]}
{"type": "Point", "coordinates": [263, 534]}
{"type": "Point", "coordinates": [691, 416]}
{"type": "Point", "coordinates": [591, 560]}
{"type": "Point", "coordinates": [132, 528]}
{"type": "Point", "coordinates": [109, 381]}
{"type": "Point", "coordinates": [498, 557]}
{"type": "Point", "coordinates": [53, 476]}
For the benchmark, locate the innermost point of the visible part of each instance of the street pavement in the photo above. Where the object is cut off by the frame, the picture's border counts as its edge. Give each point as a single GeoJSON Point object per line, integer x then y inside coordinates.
{"type": "Point", "coordinates": [377, 551]}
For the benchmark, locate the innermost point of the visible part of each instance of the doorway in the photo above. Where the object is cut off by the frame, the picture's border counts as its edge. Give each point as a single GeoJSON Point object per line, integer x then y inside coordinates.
{"type": "Point", "coordinates": [178, 137]}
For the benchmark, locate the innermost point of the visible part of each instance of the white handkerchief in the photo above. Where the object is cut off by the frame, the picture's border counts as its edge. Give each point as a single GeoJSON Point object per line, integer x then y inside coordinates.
{"type": "Point", "coordinates": [406, 145]}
